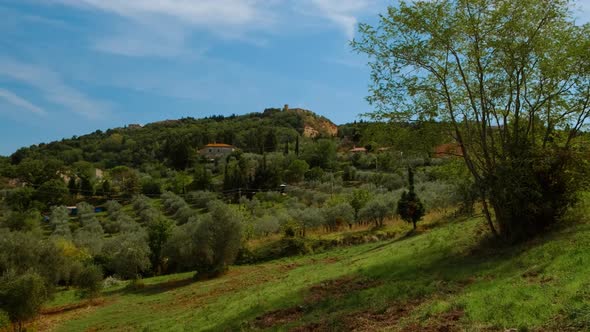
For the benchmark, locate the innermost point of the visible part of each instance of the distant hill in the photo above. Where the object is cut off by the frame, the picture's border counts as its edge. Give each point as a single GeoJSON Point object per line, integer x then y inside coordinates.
{"type": "Point", "coordinates": [136, 145]}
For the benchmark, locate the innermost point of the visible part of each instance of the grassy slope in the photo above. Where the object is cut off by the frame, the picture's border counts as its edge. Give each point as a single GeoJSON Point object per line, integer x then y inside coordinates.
{"type": "Point", "coordinates": [442, 277]}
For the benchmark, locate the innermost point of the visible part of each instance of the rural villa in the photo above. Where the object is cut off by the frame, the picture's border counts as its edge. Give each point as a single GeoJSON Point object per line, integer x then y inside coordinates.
{"type": "Point", "coordinates": [216, 150]}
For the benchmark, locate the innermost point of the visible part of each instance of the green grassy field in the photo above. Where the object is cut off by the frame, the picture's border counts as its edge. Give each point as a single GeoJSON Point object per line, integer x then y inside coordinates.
{"type": "Point", "coordinates": [443, 278]}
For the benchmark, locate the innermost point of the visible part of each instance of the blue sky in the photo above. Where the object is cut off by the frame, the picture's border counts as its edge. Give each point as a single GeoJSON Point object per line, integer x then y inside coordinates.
{"type": "Point", "coordinates": [69, 67]}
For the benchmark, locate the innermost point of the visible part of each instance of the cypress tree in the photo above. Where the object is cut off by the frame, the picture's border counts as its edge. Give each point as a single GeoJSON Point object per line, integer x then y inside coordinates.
{"type": "Point", "coordinates": [409, 207]}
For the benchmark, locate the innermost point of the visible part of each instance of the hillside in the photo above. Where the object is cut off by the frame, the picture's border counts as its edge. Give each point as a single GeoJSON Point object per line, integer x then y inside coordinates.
{"type": "Point", "coordinates": [137, 145]}
{"type": "Point", "coordinates": [444, 278]}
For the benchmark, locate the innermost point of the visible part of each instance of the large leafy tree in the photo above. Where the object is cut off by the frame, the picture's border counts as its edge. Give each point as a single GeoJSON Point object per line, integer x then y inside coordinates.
{"type": "Point", "coordinates": [513, 80]}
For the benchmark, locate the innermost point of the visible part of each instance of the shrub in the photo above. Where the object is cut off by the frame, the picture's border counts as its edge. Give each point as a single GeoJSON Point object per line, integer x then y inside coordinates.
{"type": "Point", "coordinates": [182, 246]}
{"type": "Point", "coordinates": [377, 209]}
{"type": "Point", "coordinates": [208, 245]}
{"type": "Point", "coordinates": [183, 214]}
{"type": "Point", "coordinates": [127, 255]}
{"type": "Point", "coordinates": [151, 186]}
{"type": "Point", "coordinates": [266, 225]}
{"type": "Point", "coordinates": [222, 229]}
{"type": "Point", "coordinates": [90, 236]}
{"type": "Point", "coordinates": [308, 218]}
{"type": "Point", "coordinates": [4, 320]}
{"type": "Point", "coordinates": [200, 199]}
{"type": "Point", "coordinates": [112, 207]}
{"type": "Point", "coordinates": [337, 215]}
{"type": "Point", "coordinates": [159, 231]}
{"type": "Point", "coordinates": [22, 295]}
{"type": "Point", "coordinates": [89, 281]}
{"type": "Point", "coordinates": [23, 221]}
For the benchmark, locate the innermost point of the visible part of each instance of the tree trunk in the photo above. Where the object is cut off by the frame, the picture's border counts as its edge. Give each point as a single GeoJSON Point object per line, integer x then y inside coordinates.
{"type": "Point", "coordinates": [488, 216]}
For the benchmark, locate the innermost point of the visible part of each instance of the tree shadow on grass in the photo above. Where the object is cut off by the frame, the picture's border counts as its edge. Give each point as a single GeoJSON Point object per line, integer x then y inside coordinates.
{"type": "Point", "coordinates": [455, 260]}
{"type": "Point", "coordinates": [151, 289]}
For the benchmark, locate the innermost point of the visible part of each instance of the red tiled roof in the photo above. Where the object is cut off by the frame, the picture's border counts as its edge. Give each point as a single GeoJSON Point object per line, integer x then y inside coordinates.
{"type": "Point", "coordinates": [218, 145]}
{"type": "Point", "coordinates": [450, 149]}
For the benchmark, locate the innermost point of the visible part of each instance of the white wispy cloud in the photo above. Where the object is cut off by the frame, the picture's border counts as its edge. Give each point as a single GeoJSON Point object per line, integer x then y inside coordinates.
{"type": "Point", "coordinates": [343, 13]}
{"type": "Point", "coordinates": [20, 102]}
{"type": "Point", "coordinates": [199, 12]}
{"type": "Point", "coordinates": [160, 28]}
{"type": "Point", "coordinates": [51, 87]}
{"type": "Point", "coordinates": [163, 28]}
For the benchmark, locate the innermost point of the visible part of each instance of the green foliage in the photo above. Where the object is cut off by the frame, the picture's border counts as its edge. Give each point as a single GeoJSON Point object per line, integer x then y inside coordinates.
{"type": "Point", "coordinates": [38, 171]}
{"type": "Point", "coordinates": [357, 200]}
{"type": "Point", "coordinates": [409, 206]}
{"type": "Point", "coordinates": [377, 210]}
{"type": "Point", "coordinates": [201, 179]}
{"type": "Point", "coordinates": [296, 171]}
{"type": "Point", "coordinates": [89, 281]}
{"type": "Point", "coordinates": [314, 174]}
{"type": "Point", "coordinates": [338, 215]}
{"type": "Point", "coordinates": [159, 231]}
{"type": "Point", "coordinates": [497, 78]}
{"type": "Point", "coordinates": [223, 230]}
{"type": "Point", "coordinates": [90, 235]}
{"type": "Point", "coordinates": [22, 295]}
{"type": "Point", "coordinates": [23, 221]}
{"type": "Point", "coordinates": [179, 152]}
{"type": "Point", "coordinates": [59, 220]}
{"type": "Point", "coordinates": [209, 245]}
{"type": "Point", "coordinates": [266, 225]}
{"type": "Point", "coordinates": [4, 320]}
{"type": "Point", "coordinates": [127, 255]}
{"type": "Point", "coordinates": [544, 184]}
{"type": "Point", "coordinates": [285, 247]}
{"type": "Point", "coordinates": [86, 186]}
{"type": "Point", "coordinates": [321, 154]}
{"type": "Point", "coordinates": [53, 192]}
{"type": "Point", "coordinates": [150, 186]}
{"type": "Point", "coordinates": [20, 199]}
{"type": "Point", "coordinates": [200, 199]}
{"type": "Point", "coordinates": [308, 217]}
{"type": "Point", "coordinates": [125, 181]}
{"type": "Point", "coordinates": [177, 208]}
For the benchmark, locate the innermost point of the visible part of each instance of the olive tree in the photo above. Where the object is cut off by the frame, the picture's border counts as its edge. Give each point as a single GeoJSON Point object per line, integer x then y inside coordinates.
{"type": "Point", "coordinates": [128, 255]}
{"type": "Point", "coordinates": [307, 218]}
{"type": "Point", "coordinates": [209, 244]}
{"type": "Point", "coordinates": [266, 225]}
{"type": "Point", "coordinates": [89, 281]}
{"type": "Point", "coordinates": [377, 210]}
{"type": "Point", "coordinates": [22, 295]}
{"type": "Point", "coordinates": [159, 231]}
{"type": "Point", "coordinates": [511, 78]}
{"type": "Point", "coordinates": [59, 219]}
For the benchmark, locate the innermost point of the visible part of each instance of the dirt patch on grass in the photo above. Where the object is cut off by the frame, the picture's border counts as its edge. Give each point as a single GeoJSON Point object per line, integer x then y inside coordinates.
{"type": "Point", "coordinates": [337, 288]}
{"type": "Point", "coordinates": [73, 306]}
{"type": "Point", "coordinates": [313, 327]}
{"type": "Point", "coordinates": [327, 260]}
{"type": "Point", "coordinates": [445, 322]}
{"type": "Point", "coordinates": [289, 267]}
{"type": "Point", "coordinates": [370, 320]}
{"type": "Point", "coordinates": [330, 289]}
{"type": "Point", "coordinates": [278, 317]}
{"type": "Point", "coordinates": [200, 293]}
{"type": "Point", "coordinates": [51, 318]}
